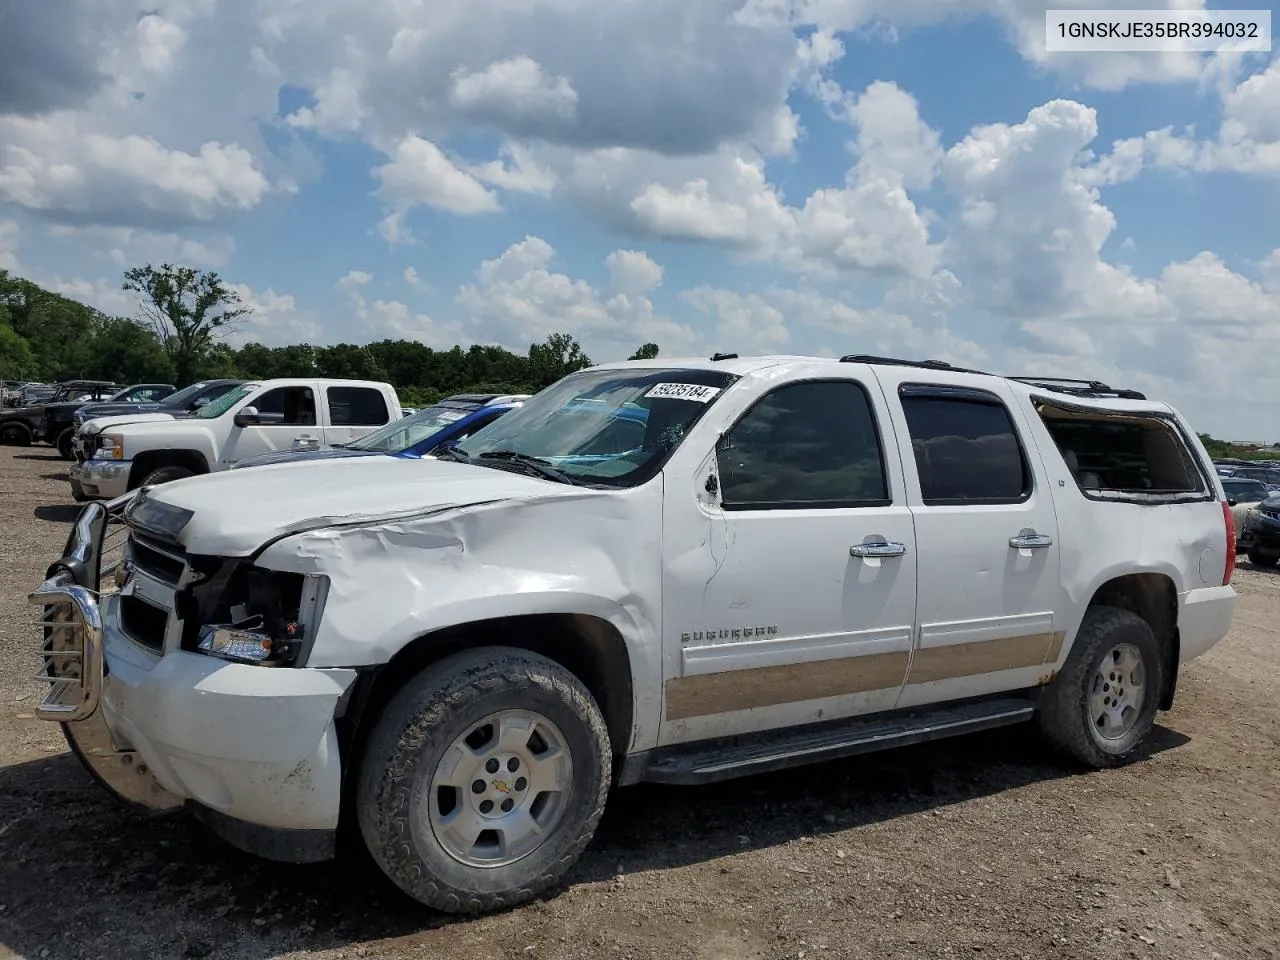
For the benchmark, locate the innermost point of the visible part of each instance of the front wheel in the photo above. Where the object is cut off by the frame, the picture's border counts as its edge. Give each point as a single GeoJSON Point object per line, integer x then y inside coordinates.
{"type": "Point", "coordinates": [64, 444]}
{"type": "Point", "coordinates": [165, 475]}
{"type": "Point", "coordinates": [15, 434]}
{"type": "Point", "coordinates": [1260, 559]}
{"type": "Point", "coordinates": [483, 780]}
{"type": "Point", "coordinates": [1103, 704]}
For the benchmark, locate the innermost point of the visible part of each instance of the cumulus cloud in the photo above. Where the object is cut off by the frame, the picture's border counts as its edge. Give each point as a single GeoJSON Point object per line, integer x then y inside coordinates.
{"type": "Point", "coordinates": [633, 271]}
{"type": "Point", "coordinates": [52, 167]}
{"type": "Point", "coordinates": [47, 56]}
{"type": "Point", "coordinates": [276, 320]}
{"type": "Point", "coordinates": [129, 246]}
{"type": "Point", "coordinates": [393, 319]}
{"type": "Point", "coordinates": [514, 94]}
{"type": "Point", "coordinates": [517, 299]}
{"type": "Point", "coordinates": [9, 245]}
{"type": "Point", "coordinates": [420, 173]}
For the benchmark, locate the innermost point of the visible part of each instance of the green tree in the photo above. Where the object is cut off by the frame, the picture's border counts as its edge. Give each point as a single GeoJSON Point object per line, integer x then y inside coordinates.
{"type": "Point", "coordinates": [125, 351]}
{"type": "Point", "coordinates": [347, 361]}
{"type": "Point", "coordinates": [558, 355]}
{"type": "Point", "coordinates": [17, 361]}
{"type": "Point", "coordinates": [187, 309]}
{"type": "Point", "coordinates": [58, 330]}
{"type": "Point", "coordinates": [646, 352]}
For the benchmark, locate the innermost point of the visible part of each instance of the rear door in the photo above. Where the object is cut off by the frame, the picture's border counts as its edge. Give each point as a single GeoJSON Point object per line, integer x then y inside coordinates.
{"type": "Point", "coordinates": [354, 411]}
{"type": "Point", "coordinates": [986, 527]}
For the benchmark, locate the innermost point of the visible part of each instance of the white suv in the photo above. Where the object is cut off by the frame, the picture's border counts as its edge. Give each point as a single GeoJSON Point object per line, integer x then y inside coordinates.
{"type": "Point", "coordinates": [665, 570]}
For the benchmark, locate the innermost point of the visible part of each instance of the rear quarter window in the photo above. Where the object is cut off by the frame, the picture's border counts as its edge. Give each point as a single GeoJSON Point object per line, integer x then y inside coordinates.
{"type": "Point", "coordinates": [1124, 453]}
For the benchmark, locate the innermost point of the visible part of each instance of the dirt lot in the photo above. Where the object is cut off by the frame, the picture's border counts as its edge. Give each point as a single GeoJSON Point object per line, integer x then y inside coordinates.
{"type": "Point", "coordinates": [976, 847]}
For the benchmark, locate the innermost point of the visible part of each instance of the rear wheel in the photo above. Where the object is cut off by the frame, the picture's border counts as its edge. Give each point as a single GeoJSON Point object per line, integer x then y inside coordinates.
{"type": "Point", "coordinates": [15, 435]}
{"type": "Point", "coordinates": [483, 780]}
{"type": "Point", "coordinates": [1260, 559]}
{"type": "Point", "coordinates": [165, 475]}
{"type": "Point", "coordinates": [1103, 704]}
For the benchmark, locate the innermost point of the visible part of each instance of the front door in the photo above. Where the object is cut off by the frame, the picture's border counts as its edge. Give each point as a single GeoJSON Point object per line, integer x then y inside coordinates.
{"type": "Point", "coordinates": [289, 420]}
{"type": "Point", "coordinates": [987, 531]}
{"type": "Point", "coordinates": [789, 567]}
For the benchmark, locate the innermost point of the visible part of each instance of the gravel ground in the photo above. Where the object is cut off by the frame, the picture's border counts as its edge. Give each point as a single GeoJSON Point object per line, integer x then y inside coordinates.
{"type": "Point", "coordinates": [982, 846]}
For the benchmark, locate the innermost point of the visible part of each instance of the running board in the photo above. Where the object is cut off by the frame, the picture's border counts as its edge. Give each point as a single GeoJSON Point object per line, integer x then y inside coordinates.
{"type": "Point", "coordinates": [708, 761]}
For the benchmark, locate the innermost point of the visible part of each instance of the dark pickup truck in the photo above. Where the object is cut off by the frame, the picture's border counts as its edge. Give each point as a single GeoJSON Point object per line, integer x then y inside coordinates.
{"type": "Point", "coordinates": [19, 426]}
{"type": "Point", "coordinates": [57, 426]}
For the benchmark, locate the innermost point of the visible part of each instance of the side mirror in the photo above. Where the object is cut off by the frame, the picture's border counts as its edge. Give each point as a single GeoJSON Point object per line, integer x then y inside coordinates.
{"type": "Point", "coordinates": [1230, 502]}
{"type": "Point", "coordinates": [247, 417]}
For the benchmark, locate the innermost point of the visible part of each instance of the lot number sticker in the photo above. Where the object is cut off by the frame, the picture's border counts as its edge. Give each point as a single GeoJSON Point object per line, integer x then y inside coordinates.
{"type": "Point", "coordinates": [683, 391]}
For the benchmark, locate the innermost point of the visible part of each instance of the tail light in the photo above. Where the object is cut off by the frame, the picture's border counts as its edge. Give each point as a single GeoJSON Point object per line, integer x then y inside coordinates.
{"type": "Point", "coordinates": [1230, 523]}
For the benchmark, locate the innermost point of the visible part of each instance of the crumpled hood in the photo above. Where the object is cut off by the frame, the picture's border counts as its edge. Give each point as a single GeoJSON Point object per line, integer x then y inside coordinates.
{"type": "Point", "coordinates": [234, 512]}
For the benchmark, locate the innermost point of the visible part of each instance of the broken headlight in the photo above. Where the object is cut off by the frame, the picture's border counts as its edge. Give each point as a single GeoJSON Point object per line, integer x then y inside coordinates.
{"type": "Point", "coordinates": [259, 617]}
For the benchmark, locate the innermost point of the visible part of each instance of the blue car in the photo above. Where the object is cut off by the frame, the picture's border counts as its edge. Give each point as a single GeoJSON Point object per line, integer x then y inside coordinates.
{"type": "Point", "coordinates": [410, 437]}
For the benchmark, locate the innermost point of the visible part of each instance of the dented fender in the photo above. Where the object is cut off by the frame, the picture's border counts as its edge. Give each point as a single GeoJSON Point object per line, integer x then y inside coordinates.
{"type": "Point", "coordinates": [391, 582]}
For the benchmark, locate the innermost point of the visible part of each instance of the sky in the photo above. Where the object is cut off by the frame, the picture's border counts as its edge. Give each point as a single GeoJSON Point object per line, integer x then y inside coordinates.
{"type": "Point", "coordinates": [912, 178]}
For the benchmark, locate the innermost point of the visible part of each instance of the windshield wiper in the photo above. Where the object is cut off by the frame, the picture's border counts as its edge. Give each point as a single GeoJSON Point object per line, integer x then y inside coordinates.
{"type": "Point", "coordinates": [450, 453]}
{"type": "Point", "coordinates": [534, 464]}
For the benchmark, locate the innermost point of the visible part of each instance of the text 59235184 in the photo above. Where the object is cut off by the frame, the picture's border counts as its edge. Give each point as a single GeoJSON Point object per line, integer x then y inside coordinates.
{"type": "Point", "coordinates": [1137, 31]}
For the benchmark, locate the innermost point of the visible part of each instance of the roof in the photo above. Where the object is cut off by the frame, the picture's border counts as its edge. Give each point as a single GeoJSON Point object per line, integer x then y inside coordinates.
{"type": "Point", "coordinates": [1082, 392]}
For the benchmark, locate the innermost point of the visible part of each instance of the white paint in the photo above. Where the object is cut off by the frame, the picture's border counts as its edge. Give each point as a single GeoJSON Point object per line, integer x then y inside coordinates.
{"type": "Point", "coordinates": [411, 547]}
{"type": "Point", "coordinates": [220, 441]}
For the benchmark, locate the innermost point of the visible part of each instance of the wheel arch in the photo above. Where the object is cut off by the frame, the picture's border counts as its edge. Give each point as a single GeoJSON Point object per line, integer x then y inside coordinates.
{"type": "Point", "coordinates": [587, 645]}
{"type": "Point", "coordinates": [1153, 596]}
{"type": "Point", "coordinates": [150, 460]}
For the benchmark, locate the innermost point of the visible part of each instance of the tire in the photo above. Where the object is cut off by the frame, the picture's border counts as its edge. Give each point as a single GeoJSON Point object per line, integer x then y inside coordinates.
{"type": "Point", "coordinates": [1260, 559]}
{"type": "Point", "coordinates": [77, 493]}
{"type": "Point", "coordinates": [15, 435]}
{"type": "Point", "coordinates": [165, 475]}
{"type": "Point", "coordinates": [1066, 714]}
{"type": "Point", "coordinates": [400, 814]}
{"type": "Point", "coordinates": [64, 444]}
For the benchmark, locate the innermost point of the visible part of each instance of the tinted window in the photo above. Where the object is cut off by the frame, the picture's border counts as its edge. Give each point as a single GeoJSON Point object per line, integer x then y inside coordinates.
{"type": "Point", "coordinates": [804, 445]}
{"type": "Point", "coordinates": [965, 447]}
{"type": "Point", "coordinates": [357, 407]}
{"type": "Point", "coordinates": [291, 406]}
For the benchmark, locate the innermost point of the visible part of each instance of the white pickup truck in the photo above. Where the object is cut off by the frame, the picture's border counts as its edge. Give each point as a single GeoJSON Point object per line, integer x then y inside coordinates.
{"type": "Point", "coordinates": [668, 570]}
{"type": "Point", "coordinates": [126, 452]}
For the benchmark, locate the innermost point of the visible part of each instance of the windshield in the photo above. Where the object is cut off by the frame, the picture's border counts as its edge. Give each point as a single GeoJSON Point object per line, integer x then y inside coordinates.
{"type": "Point", "coordinates": [611, 427]}
{"type": "Point", "coordinates": [216, 408]}
{"type": "Point", "coordinates": [411, 430]}
{"type": "Point", "coordinates": [185, 394]}
{"type": "Point", "coordinates": [1245, 491]}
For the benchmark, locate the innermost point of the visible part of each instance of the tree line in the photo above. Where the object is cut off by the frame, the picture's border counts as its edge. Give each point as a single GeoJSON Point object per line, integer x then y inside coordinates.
{"type": "Point", "coordinates": [179, 334]}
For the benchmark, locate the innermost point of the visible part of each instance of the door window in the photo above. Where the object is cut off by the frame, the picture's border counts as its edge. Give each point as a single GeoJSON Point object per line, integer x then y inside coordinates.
{"type": "Point", "coordinates": [965, 446]}
{"type": "Point", "coordinates": [287, 406]}
{"type": "Point", "coordinates": [356, 407]}
{"type": "Point", "coordinates": [804, 445]}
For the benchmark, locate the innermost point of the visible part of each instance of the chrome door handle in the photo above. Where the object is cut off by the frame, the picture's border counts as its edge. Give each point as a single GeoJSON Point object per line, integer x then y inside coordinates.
{"type": "Point", "coordinates": [1030, 541]}
{"type": "Point", "coordinates": [881, 548]}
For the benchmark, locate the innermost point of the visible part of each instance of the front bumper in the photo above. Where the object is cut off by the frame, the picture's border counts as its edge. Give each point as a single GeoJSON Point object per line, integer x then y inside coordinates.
{"type": "Point", "coordinates": [253, 749]}
{"type": "Point", "coordinates": [1261, 533]}
{"type": "Point", "coordinates": [104, 479]}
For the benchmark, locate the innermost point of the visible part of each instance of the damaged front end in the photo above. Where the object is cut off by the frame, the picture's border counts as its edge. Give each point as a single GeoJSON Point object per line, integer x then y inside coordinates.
{"type": "Point", "coordinates": [74, 664]}
{"type": "Point", "coordinates": [124, 577]}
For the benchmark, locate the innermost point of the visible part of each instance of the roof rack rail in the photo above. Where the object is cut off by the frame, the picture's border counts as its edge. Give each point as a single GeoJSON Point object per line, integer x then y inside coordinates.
{"type": "Point", "coordinates": [895, 362]}
{"type": "Point", "coordinates": [1080, 388]}
{"type": "Point", "coordinates": [723, 356]}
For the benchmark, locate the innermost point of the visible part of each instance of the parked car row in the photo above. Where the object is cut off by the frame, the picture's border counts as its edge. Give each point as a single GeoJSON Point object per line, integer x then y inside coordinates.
{"type": "Point", "coordinates": [464, 627]}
